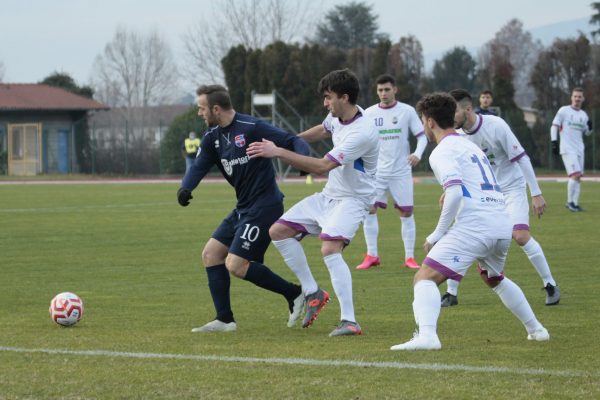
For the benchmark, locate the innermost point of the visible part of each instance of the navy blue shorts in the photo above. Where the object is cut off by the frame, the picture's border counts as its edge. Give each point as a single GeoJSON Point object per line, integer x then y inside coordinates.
{"type": "Point", "coordinates": [247, 234]}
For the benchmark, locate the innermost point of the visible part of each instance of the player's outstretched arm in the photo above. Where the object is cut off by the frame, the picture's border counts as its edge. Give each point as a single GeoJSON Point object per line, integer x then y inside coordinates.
{"type": "Point", "coordinates": [314, 134]}
{"type": "Point", "coordinates": [202, 164]}
{"type": "Point", "coordinates": [311, 165]}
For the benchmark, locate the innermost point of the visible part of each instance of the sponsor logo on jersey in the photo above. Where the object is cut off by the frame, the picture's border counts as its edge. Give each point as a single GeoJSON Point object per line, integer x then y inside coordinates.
{"type": "Point", "coordinates": [228, 164]}
{"type": "Point", "coordinates": [217, 144]}
{"type": "Point", "coordinates": [240, 140]}
{"type": "Point", "coordinates": [494, 200]}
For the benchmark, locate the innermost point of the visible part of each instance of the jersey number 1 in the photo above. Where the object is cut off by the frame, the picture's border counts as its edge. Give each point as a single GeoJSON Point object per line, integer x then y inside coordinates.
{"type": "Point", "coordinates": [486, 185]}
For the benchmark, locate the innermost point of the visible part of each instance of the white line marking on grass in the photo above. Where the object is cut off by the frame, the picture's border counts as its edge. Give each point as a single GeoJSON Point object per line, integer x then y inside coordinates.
{"type": "Point", "coordinates": [304, 361]}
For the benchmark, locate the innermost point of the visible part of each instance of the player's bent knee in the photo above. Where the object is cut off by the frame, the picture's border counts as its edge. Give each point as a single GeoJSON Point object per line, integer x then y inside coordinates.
{"type": "Point", "coordinates": [214, 253]}
{"type": "Point", "coordinates": [406, 214]}
{"type": "Point", "coordinates": [279, 231]}
{"type": "Point", "coordinates": [237, 265]}
{"type": "Point", "coordinates": [426, 273]}
{"type": "Point", "coordinates": [521, 237]}
{"type": "Point", "coordinates": [329, 247]}
{"type": "Point", "coordinates": [491, 282]}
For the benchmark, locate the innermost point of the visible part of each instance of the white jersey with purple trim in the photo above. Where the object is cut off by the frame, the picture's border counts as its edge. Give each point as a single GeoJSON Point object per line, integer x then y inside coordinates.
{"type": "Point", "coordinates": [393, 125]}
{"type": "Point", "coordinates": [355, 149]}
{"type": "Point", "coordinates": [572, 124]}
{"type": "Point", "coordinates": [457, 161]}
{"type": "Point", "coordinates": [502, 148]}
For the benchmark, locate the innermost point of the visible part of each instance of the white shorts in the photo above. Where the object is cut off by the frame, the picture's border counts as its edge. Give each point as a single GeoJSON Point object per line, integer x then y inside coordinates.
{"type": "Point", "coordinates": [329, 218]}
{"type": "Point", "coordinates": [401, 189]}
{"type": "Point", "coordinates": [517, 206]}
{"type": "Point", "coordinates": [573, 163]}
{"type": "Point", "coordinates": [456, 251]}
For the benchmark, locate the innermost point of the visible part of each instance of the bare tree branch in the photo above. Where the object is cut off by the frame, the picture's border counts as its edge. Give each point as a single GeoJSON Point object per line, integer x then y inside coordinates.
{"type": "Point", "coordinates": [135, 70]}
{"type": "Point", "coordinates": [251, 23]}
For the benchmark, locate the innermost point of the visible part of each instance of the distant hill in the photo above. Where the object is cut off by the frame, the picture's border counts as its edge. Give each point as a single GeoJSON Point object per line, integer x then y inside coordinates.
{"type": "Point", "coordinates": [546, 34]}
{"type": "Point", "coordinates": [565, 29]}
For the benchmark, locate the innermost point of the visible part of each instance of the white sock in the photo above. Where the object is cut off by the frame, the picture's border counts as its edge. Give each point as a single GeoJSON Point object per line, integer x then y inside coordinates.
{"type": "Point", "coordinates": [293, 255]}
{"type": "Point", "coordinates": [536, 255]}
{"type": "Point", "coordinates": [409, 232]}
{"type": "Point", "coordinates": [426, 306]}
{"type": "Point", "coordinates": [341, 280]}
{"type": "Point", "coordinates": [570, 190]}
{"type": "Point", "coordinates": [576, 191]}
{"type": "Point", "coordinates": [514, 299]}
{"type": "Point", "coordinates": [452, 287]}
{"type": "Point", "coordinates": [371, 231]}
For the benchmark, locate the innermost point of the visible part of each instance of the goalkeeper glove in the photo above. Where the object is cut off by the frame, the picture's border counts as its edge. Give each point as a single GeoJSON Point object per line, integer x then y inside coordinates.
{"type": "Point", "coordinates": [184, 196]}
{"type": "Point", "coordinates": [555, 148]}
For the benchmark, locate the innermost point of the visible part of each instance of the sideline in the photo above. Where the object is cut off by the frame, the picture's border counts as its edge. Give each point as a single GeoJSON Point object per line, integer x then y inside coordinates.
{"type": "Point", "coordinates": [295, 180]}
{"type": "Point", "coordinates": [304, 361]}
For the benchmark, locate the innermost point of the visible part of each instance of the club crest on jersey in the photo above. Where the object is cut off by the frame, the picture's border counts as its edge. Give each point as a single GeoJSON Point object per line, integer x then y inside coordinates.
{"type": "Point", "coordinates": [395, 120]}
{"type": "Point", "coordinates": [240, 140]}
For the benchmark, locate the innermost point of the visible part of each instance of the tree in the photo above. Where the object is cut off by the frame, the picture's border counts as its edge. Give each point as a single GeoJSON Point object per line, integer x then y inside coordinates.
{"type": "Point", "coordinates": [249, 23]}
{"type": "Point", "coordinates": [561, 67]}
{"type": "Point", "coordinates": [65, 81]}
{"type": "Point", "coordinates": [349, 26]}
{"type": "Point", "coordinates": [135, 70]}
{"type": "Point", "coordinates": [456, 69]}
{"type": "Point", "coordinates": [595, 19]}
{"type": "Point", "coordinates": [234, 63]}
{"type": "Point", "coordinates": [522, 54]}
{"type": "Point", "coordinates": [171, 159]}
{"type": "Point", "coordinates": [406, 63]}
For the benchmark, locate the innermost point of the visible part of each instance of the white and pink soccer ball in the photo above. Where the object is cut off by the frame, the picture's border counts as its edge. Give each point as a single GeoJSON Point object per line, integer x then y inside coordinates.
{"type": "Point", "coordinates": [66, 309]}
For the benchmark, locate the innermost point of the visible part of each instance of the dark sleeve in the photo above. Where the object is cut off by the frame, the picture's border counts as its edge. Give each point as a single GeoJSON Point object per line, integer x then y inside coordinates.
{"type": "Point", "coordinates": [281, 138]}
{"type": "Point", "coordinates": [202, 164]}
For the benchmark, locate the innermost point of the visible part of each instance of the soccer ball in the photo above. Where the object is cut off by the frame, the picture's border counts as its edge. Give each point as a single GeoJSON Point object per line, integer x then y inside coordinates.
{"type": "Point", "coordinates": [66, 309]}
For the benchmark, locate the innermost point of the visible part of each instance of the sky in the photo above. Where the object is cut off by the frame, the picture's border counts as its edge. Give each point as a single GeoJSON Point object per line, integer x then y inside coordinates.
{"type": "Point", "coordinates": [39, 37]}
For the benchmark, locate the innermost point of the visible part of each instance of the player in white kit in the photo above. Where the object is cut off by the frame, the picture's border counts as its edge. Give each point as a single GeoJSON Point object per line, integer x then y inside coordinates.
{"type": "Point", "coordinates": [473, 226]}
{"type": "Point", "coordinates": [513, 169]}
{"type": "Point", "coordinates": [571, 122]}
{"type": "Point", "coordinates": [394, 121]}
{"type": "Point", "coordinates": [335, 213]}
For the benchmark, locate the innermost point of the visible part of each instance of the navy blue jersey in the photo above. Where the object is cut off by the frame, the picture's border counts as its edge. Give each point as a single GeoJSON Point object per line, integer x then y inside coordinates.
{"type": "Point", "coordinates": [487, 111]}
{"type": "Point", "coordinates": [253, 179]}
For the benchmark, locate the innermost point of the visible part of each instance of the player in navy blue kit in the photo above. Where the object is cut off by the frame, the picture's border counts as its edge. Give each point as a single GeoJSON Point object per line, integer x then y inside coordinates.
{"type": "Point", "coordinates": [238, 245]}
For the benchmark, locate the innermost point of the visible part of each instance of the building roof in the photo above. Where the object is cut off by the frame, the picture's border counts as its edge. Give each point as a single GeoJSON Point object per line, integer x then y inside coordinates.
{"type": "Point", "coordinates": [32, 96]}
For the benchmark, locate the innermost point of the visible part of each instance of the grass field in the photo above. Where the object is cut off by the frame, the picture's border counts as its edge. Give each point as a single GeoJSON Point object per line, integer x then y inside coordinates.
{"type": "Point", "coordinates": [133, 255]}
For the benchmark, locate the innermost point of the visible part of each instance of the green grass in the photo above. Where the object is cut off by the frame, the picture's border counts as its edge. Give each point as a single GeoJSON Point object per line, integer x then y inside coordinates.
{"type": "Point", "coordinates": [133, 255]}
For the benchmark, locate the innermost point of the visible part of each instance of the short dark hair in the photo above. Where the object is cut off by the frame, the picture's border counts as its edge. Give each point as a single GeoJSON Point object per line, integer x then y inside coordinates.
{"type": "Point", "coordinates": [440, 106]}
{"type": "Point", "coordinates": [340, 82]}
{"type": "Point", "coordinates": [460, 95]}
{"type": "Point", "coordinates": [577, 89]}
{"type": "Point", "coordinates": [385, 78]}
{"type": "Point", "coordinates": [487, 91]}
{"type": "Point", "coordinates": [216, 95]}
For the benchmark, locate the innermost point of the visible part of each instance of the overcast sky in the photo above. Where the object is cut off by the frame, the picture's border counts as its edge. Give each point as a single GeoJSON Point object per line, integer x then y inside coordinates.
{"type": "Point", "coordinates": [38, 37]}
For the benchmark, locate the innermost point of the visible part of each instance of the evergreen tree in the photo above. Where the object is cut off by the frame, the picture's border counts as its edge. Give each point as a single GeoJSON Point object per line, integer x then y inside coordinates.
{"type": "Point", "coordinates": [456, 69]}
{"type": "Point", "coordinates": [171, 159]}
